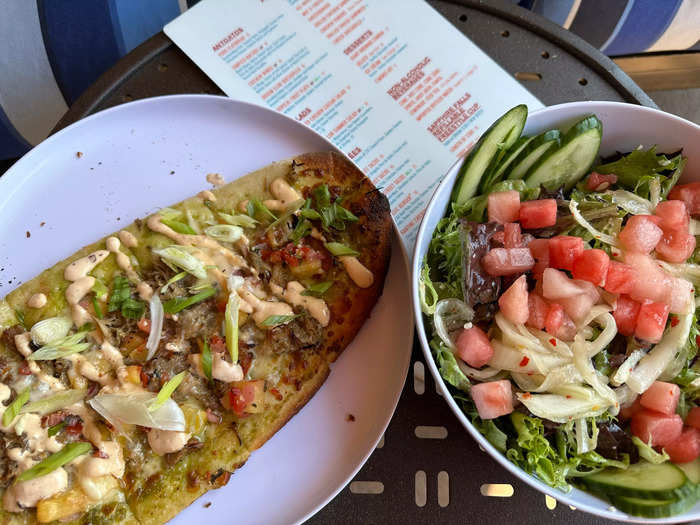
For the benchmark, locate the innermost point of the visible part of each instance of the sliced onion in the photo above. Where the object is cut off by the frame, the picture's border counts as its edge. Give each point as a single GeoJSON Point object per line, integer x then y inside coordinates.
{"type": "Point", "coordinates": [50, 330]}
{"type": "Point", "coordinates": [49, 404]}
{"type": "Point", "coordinates": [451, 315]}
{"type": "Point", "coordinates": [562, 409]}
{"type": "Point", "coordinates": [156, 325]}
{"type": "Point", "coordinates": [625, 369]}
{"type": "Point", "coordinates": [632, 203]}
{"type": "Point", "coordinates": [484, 373]}
{"type": "Point", "coordinates": [132, 409]}
{"type": "Point", "coordinates": [603, 237]}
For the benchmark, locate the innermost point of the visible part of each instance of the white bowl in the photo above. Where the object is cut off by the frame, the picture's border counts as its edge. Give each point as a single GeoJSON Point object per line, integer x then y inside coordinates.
{"type": "Point", "coordinates": [625, 127]}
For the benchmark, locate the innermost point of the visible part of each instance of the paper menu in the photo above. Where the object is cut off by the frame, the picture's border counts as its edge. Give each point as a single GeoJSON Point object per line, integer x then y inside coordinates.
{"type": "Point", "coordinates": [390, 83]}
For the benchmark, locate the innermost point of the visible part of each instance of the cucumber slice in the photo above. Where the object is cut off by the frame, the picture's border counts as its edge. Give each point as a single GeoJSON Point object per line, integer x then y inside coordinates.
{"type": "Point", "coordinates": [692, 470]}
{"type": "Point", "coordinates": [564, 166]}
{"type": "Point", "coordinates": [495, 175]}
{"type": "Point", "coordinates": [662, 481]}
{"type": "Point", "coordinates": [653, 508]}
{"type": "Point", "coordinates": [533, 152]}
{"type": "Point", "coordinates": [500, 136]}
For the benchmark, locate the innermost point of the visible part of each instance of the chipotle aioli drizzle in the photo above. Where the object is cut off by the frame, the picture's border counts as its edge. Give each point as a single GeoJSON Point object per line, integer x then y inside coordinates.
{"type": "Point", "coordinates": [144, 289]}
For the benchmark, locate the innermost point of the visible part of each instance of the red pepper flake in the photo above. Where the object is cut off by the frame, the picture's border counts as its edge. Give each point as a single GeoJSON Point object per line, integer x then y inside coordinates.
{"type": "Point", "coordinates": [525, 361]}
{"type": "Point", "coordinates": [697, 340]}
{"type": "Point", "coordinates": [674, 321]}
{"type": "Point", "coordinates": [527, 395]}
{"type": "Point", "coordinates": [568, 396]}
{"type": "Point", "coordinates": [553, 342]}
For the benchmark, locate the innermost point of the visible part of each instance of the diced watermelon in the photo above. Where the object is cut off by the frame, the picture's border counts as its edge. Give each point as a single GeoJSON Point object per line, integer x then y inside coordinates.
{"type": "Point", "coordinates": [686, 448]}
{"type": "Point", "coordinates": [627, 411]}
{"type": "Point", "coordinates": [680, 296]}
{"type": "Point", "coordinates": [503, 206]}
{"type": "Point", "coordinates": [651, 321]}
{"type": "Point", "coordinates": [641, 234]}
{"type": "Point", "coordinates": [493, 399]}
{"type": "Point", "coordinates": [540, 251]}
{"type": "Point", "coordinates": [537, 310]}
{"type": "Point", "coordinates": [625, 314]}
{"type": "Point", "coordinates": [676, 245]}
{"type": "Point", "coordinates": [620, 278]}
{"type": "Point", "coordinates": [693, 417]}
{"type": "Point", "coordinates": [652, 282]}
{"type": "Point", "coordinates": [660, 429]}
{"type": "Point", "coordinates": [592, 266]}
{"type": "Point", "coordinates": [511, 235]}
{"type": "Point", "coordinates": [563, 250]}
{"type": "Point", "coordinates": [599, 181]}
{"type": "Point", "coordinates": [689, 194]}
{"type": "Point", "coordinates": [578, 306]}
{"type": "Point", "coordinates": [559, 324]}
{"type": "Point", "coordinates": [503, 261]}
{"type": "Point", "coordinates": [673, 215]}
{"type": "Point", "coordinates": [538, 214]}
{"type": "Point", "coordinates": [557, 285]}
{"type": "Point", "coordinates": [662, 397]}
{"type": "Point", "coordinates": [474, 347]}
{"type": "Point", "coordinates": [513, 303]}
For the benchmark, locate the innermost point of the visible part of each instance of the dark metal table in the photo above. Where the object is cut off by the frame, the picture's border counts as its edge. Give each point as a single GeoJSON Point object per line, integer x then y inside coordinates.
{"type": "Point", "coordinates": [427, 469]}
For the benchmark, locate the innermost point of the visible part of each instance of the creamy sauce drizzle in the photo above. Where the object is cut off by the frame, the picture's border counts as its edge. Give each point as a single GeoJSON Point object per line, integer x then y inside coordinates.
{"type": "Point", "coordinates": [38, 300]}
{"type": "Point", "coordinates": [206, 195]}
{"type": "Point", "coordinates": [22, 345]}
{"type": "Point", "coordinates": [128, 239]}
{"type": "Point", "coordinates": [284, 195]}
{"type": "Point", "coordinates": [263, 309]}
{"type": "Point", "coordinates": [75, 271]}
{"type": "Point", "coordinates": [317, 308]}
{"type": "Point", "coordinates": [360, 275]}
{"type": "Point", "coordinates": [144, 289]}
{"type": "Point", "coordinates": [216, 179]}
{"type": "Point", "coordinates": [167, 441]}
{"type": "Point", "coordinates": [220, 368]}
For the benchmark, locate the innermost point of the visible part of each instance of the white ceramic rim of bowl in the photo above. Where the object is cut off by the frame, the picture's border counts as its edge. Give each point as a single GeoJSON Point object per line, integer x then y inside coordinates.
{"type": "Point", "coordinates": [420, 331]}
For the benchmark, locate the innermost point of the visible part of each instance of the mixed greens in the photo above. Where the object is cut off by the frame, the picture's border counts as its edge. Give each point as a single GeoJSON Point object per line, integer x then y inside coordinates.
{"type": "Point", "coordinates": [531, 311]}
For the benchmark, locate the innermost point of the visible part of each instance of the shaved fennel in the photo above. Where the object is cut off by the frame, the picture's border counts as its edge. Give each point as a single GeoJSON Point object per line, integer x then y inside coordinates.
{"type": "Point", "coordinates": [603, 237]}
{"type": "Point", "coordinates": [450, 316]}
{"type": "Point", "coordinates": [132, 409]}
{"type": "Point", "coordinates": [157, 314]}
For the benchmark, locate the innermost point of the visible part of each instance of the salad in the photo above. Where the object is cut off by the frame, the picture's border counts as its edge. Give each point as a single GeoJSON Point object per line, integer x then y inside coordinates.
{"type": "Point", "coordinates": [559, 295]}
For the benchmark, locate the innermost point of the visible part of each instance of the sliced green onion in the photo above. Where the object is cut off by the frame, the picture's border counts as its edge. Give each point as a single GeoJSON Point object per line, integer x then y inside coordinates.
{"type": "Point", "coordinates": [20, 318]}
{"type": "Point", "coordinates": [318, 288]}
{"type": "Point", "coordinates": [276, 320]}
{"type": "Point", "coordinates": [258, 210]}
{"type": "Point", "coordinates": [231, 318]}
{"type": "Point", "coordinates": [322, 196]}
{"type": "Point", "coordinates": [224, 232]}
{"type": "Point", "coordinates": [50, 330]}
{"type": "Point", "coordinates": [179, 227]}
{"type": "Point", "coordinates": [13, 408]}
{"type": "Point", "coordinates": [100, 289]}
{"type": "Point", "coordinates": [173, 280]}
{"type": "Point", "coordinates": [169, 213]}
{"type": "Point", "coordinates": [180, 257]}
{"type": "Point", "coordinates": [291, 210]}
{"type": "Point", "coordinates": [166, 391]}
{"type": "Point", "coordinates": [50, 404]}
{"type": "Point", "coordinates": [52, 431]}
{"type": "Point", "coordinates": [57, 460]}
{"type": "Point", "coordinates": [62, 348]}
{"type": "Point", "coordinates": [302, 229]}
{"type": "Point", "coordinates": [340, 250]}
{"type": "Point", "coordinates": [308, 213]}
{"type": "Point", "coordinates": [177, 304]}
{"type": "Point", "coordinates": [239, 220]}
{"type": "Point", "coordinates": [96, 307]}
{"type": "Point", "coordinates": [206, 360]}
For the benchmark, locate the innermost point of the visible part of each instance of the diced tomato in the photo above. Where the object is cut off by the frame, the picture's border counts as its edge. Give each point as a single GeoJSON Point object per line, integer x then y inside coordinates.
{"type": "Point", "coordinates": [540, 251]}
{"type": "Point", "coordinates": [245, 397]}
{"type": "Point", "coordinates": [563, 250]}
{"type": "Point", "coordinates": [557, 285]}
{"type": "Point", "coordinates": [503, 206]}
{"type": "Point", "coordinates": [237, 401]}
{"type": "Point", "coordinates": [511, 235]}
{"type": "Point", "coordinates": [144, 325]}
{"type": "Point", "coordinates": [625, 314]}
{"type": "Point", "coordinates": [620, 278]}
{"type": "Point", "coordinates": [660, 429]}
{"type": "Point", "coordinates": [652, 282]}
{"type": "Point", "coordinates": [600, 181]}
{"type": "Point", "coordinates": [651, 321]}
{"type": "Point", "coordinates": [676, 246]}
{"type": "Point", "coordinates": [514, 301]}
{"type": "Point", "coordinates": [662, 397]}
{"type": "Point", "coordinates": [686, 448]}
{"type": "Point", "coordinates": [641, 234]}
{"type": "Point", "coordinates": [558, 323]}
{"type": "Point", "coordinates": [503, 261]}
{"type": "Point", "coordinates": [673, 215]}
{"type": "Point", "coordinates": [693, 417]}
{"type": "Point", "coordinates": [537, 311]}
{"type": "Point", "coordinates": [474, 347]}
{"type": "Point", "coordinates": [627, 411]}
{"type": "Point", "coordinates": [689, 194]}
{"type": "Point", "coordinates": [592, 266]}
{"type": "Point", "coordinates": [493, 399]}
{"type": "Point", "coordinates": [538, 214]}
{"type": "Point", "coordinates": [75, 429]}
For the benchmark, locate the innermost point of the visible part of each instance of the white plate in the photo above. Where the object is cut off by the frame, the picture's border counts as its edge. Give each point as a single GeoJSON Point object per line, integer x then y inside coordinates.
{"type": "Point", "coordinates": [124, 172]}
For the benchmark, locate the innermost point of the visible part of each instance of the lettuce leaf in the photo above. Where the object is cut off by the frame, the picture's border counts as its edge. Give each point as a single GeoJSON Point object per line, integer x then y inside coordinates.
{"type": "Point", "coordinates": [447, 364]}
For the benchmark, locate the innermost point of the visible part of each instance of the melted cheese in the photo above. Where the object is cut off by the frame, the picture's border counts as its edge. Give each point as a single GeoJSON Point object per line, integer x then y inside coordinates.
{"type": "Point", "coordinates": [167, 441]}
{"type": "Point", "coordinates": [360, 275]}
{"type": "Point", "coordinates": [144, 289]}
{"type": "Point", "coordinates": [38, 300]}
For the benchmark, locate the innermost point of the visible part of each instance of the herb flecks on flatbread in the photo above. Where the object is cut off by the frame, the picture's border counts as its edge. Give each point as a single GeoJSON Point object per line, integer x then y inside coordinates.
{"type": "Point", "coordinates": [143, 370]}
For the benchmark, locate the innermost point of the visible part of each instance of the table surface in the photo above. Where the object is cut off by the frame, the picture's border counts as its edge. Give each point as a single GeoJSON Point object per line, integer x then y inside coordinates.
{"type": "Point", "coordinates": [412, 479]}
